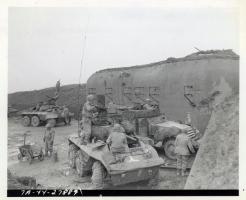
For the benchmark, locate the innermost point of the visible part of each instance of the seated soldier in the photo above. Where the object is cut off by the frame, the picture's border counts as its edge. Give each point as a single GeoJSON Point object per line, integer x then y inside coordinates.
{"type": "Point", "coordinates": [148, 105]}
{"type": "Point", "coordinates": [117, 141]}
{"type": "Point", "coordinates": [38, 106]}
{"type": "Point", "coordinates": [45, 106]}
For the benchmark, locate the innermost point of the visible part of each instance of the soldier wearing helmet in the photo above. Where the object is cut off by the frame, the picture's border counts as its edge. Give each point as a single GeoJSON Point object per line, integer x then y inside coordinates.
{"type": "Point", "coordinates": [89, 109]}
{"type": "Point", "coordinates": [182, 150]}
{"type": "Point", "coordinates": [148, 105]}
{"type": "Point", "coordinates": [117, 140]}
{"type": "Point", "coordinates": [66, 114]}
{"type": "Point", "coordinates": [185, 145]}
{"type": "Point", "coordinates": [48, 139]}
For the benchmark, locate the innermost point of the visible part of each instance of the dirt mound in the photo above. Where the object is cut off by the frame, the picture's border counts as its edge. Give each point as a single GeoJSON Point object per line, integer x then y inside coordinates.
{"type": "Point", "coordinates": [68, 95]}
{"type": "Point", "coordinates": [216, 163]}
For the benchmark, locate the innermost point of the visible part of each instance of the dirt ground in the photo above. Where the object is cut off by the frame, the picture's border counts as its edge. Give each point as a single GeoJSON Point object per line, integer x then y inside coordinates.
{"type": "Point", "coordinates": [57, 175]}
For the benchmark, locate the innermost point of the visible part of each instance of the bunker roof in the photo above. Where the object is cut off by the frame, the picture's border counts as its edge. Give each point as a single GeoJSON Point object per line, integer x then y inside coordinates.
{"type": "Point", "coordinates": [200, 55]}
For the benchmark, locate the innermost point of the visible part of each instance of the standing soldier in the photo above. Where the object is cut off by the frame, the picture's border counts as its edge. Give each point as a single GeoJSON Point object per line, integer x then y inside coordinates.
{"type": "Point", "coordinates": [66, 114]}
{"type": "Point", "coordinates": [58, 85]}
{"type": "Point", "coordinates": [49, 136]}
{"type": "Point", "coordinates": [182, 144]}
{"type": "Point", "coordinates": [87, 114]}
{"type": "Point", "coordinates": [193, 133]}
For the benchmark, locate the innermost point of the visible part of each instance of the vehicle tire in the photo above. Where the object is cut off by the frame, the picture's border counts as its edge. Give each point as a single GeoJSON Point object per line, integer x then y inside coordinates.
{"type": "Point", "coordinates": [169, 148]}
{"type": "Point", "coordinates": [80, 164]}
{"type": "Point", "coordinates": [41, 156]}
{"type": "Point", "coordinates": [72, 155]}
{"type": "Point", "coordinates": [154, 180]}
{"type": "Point", "coordinates": [26, 121]}
{"type": "Point", "coordinates": [35, 121]}
{"type": "Point", "coordinates": [97, 175]}
{"type": "Point", "coordinates": [52, 122]}
{"type": "Point", "coordinates": [20, 157]}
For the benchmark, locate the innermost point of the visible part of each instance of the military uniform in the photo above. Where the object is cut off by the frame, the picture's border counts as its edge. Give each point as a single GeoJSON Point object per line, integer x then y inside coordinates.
{"type": "Point", "coordinates": [148, 105]}
{"type": "Point", "coordinates": [87, 115]}
{"type": "Point", "coordinates": [182, 144]}
{"type": "Point", "coordinates": [117, 141]}
{"type": "Point", "coordinates": [66, 113]}
{"type": "Point", "coordinates": [49, 136]}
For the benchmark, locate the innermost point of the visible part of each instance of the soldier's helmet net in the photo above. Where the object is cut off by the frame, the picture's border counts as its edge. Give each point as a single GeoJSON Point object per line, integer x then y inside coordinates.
{"type": "Point", "coordinates": [90, 98]}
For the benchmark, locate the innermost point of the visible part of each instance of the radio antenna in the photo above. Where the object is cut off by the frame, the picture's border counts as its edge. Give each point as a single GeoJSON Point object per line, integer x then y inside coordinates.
{"type": "Point", "coordinates": [80, 72]}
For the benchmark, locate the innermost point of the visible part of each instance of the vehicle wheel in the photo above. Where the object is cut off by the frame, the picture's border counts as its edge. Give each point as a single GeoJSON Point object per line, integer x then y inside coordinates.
{"type": "Point", "coordinates": [29, 158]}
{"type": "Point", "coordinates": [97, 175]}
{"type": "Point", "coordinates": [72, 155]}
{"type": "Point", "coordinates": [154, 180]}
{"type": "Point", "coordinates": [41, 156]}
{"type": "Point", "coordinates": [20, 157]}
{"type": "Point", "coordinates": [35, 121]}
{"type": "Point", "coordinates": [169, 148]}
{"type": "Point", "coordinates": [52, 122]}
{"type": "Point", "coordinates": [80, 164]}
{"type": "Point", "coordinates": [26, 121]}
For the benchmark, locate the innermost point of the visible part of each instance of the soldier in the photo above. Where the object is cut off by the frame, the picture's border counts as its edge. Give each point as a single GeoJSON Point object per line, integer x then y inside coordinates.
{"type": "Point", "coordinates": [48, 139]}
{"type": "Point", "coordinates": [182, 144]}
{"type": "Point", "coordinates": [45, 106]}
{"type": "Point", "coordinates": [38, 106]}
{"type": "Point", "coordinates": [58, 85]}
{"type": "Point", "coordinates": [188, 119]}
{"type": "Point", "coordinates": [89, 109]}
{"type": "Point", "coordinates": [193, 133]}
{"type": "Point", "coordinates": [112, 107]}
{"type": "Point", "coordinates": [56, 96]}
{"type": "Point", "coordinates": [117, 141]}
{"type": "Point", "coordinates": [148, 105]}
{"type": "Point", "coordinates": [66, 114]}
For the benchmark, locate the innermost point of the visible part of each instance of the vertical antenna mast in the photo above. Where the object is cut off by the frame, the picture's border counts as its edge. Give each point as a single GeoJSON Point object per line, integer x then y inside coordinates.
{"type": "Point", "coordinates": [81, 67]}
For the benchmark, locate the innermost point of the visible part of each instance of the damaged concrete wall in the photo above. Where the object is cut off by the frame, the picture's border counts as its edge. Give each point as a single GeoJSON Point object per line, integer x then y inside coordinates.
{"type": "Point", "coordinates": [216, 163]}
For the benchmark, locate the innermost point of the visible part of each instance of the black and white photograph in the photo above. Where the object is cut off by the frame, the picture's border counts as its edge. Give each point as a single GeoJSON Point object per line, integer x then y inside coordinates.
{"type": "Point", "coordinates": [135, 98]}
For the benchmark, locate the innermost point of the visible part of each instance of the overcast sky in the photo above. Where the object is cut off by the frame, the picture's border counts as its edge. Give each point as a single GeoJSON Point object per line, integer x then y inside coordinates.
{"type": "Point", "coordinates": [45, 44]}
